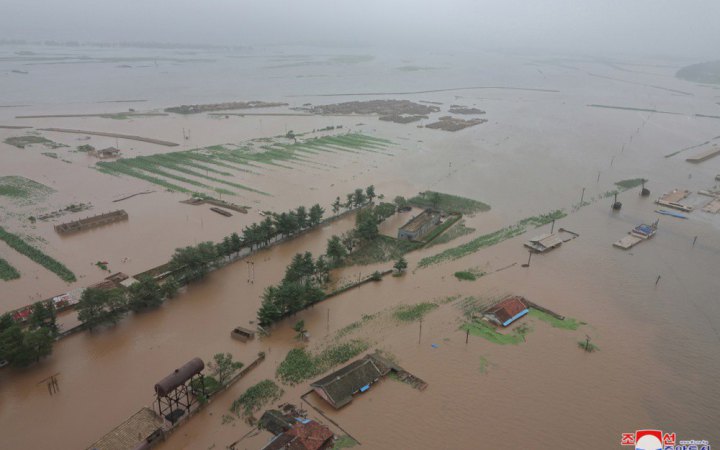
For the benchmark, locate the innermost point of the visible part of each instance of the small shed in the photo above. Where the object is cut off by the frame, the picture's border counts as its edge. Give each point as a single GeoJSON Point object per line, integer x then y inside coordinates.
{"type": "Point", "coordinates": [544, 242]}
{"type": "Point", "coordinates": [339, 387]}
{"type": "Point", "coordinates": [307, 435]}
{"type": "Point", "coordinates": [110, 152]}
{"type": "Point", "coordinates": [419, 225]}
{"type": "Point", "coordinates": [507, 311]}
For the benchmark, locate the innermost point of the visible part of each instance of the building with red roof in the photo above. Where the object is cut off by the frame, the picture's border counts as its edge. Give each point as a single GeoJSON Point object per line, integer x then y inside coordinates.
{"type": "Point", "coordinates": [305, 435]}
{"type": "Point", "coordinates": [507, 311]}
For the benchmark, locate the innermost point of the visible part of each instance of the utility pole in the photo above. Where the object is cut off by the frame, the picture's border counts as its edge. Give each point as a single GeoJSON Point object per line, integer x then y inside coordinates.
{"type": "Point", "coordinates": [657, 281]}
{"type": "Point", "coordinates": [587, 343]}
{"type": "Point", "coordinates": [467, 335]}
{"type": "Point", "coordinates": [529, 257]}
{"type": "Point", "coordinates": [694, 240]}
{"type": "Point", "coordinates": [328, 320]}
{"type": "Point", "coordinates": [582, 196]}
{"type": "Point", "coordinates": [552, 227]}
{"type": "Point", "coordinates": [420, 335]}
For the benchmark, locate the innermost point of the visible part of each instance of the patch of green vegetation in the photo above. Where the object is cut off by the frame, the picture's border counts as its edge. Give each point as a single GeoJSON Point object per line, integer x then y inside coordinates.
{"type": "Point", "coordinates": [476, 244]}
{"type": "Point", "coordinates": [453, 232]}
{"type": "Point", "coordinates": [8, 272]}
{"type": "Point", "coordinates": [437, 231]}
{"type": "Point", "coordinates": [543, 219]}
{"type": "Point", "coordinates": [448, 202]}
{"type": "Point", "coordinates": [473, 306]}
{"type": "Point", "coordinates": [631, 183]}
{"type": "Point", "coordinates": [486, 331]}
{"type": "Point", "coordinates": [212, 164]}
{"type": "Point", "coordinates": [381, 249]}
{"type": "Point", "coordinates": [469, 275]}
{"type": "Point", "coordinates": [23, 190]}
{"type": "Point", "coordinates": [588, 346]}
{"type": "Point", "coordinates": [24, 141]}
{"type": "Point", "coordinates": [568, 324]}
{"type": "Point", "coordinates": [411, 313]}
{"type": "Point", "coordinates": [300, 364]}
{"type": "Point", "coordinates": [211, 385]}
{"type": "Point", "coordinates": [484, 365]}
{"type": "Point", "coordinates": [355, 325]}
{"type": "Point", "coordinates": [490, 239]}
{"type": "Point", "coordinates": [344, 442]}
{"type": "Point", "coordinates": [256, 397]}
{"type": "Point", "coordinates": [36, 255]}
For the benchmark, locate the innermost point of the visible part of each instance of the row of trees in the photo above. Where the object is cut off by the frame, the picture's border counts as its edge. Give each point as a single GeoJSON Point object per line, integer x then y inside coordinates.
{"type": "Point", "coordinates": [194, 262]}
{"type": "Point", "coordinates": [300, 288]}
{"type": "Point", "coordinates": [20, 346]}
{"type": "Point", "coordinates": [354, 199]}
{"type": "Point", "coordinates": [100, 306]}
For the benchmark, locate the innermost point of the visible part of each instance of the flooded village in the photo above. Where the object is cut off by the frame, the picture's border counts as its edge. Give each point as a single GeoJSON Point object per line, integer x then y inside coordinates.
{"type": "Point", "coordinates": [360, 250]}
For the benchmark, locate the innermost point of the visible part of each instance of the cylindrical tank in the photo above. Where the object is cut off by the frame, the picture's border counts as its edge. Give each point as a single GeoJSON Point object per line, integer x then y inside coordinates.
{"type": "Point", "coordinates": [179, 377]}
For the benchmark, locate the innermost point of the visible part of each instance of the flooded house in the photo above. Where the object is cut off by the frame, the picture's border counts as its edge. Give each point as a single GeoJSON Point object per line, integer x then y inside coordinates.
{"type": "Point", "coordinates": [306, 434]}
{"type": "Point", "coordinates": [109, 152]}
{"type": "Point", "coordinates": [507, 311]}
{"type": "Point", "coordinates": [419, 225]}
{"type": "Point", "coordinates": [339, 387]}
{"type": "Point", "coordinates": [544, 242]}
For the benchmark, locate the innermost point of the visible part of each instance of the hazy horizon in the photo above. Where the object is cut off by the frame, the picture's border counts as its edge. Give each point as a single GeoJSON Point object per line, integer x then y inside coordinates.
{"type": "Point", "coordinates": [610, 27]}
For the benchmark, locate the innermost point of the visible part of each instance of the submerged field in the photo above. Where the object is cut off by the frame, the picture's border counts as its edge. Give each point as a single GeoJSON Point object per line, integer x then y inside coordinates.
{"type": "Point", "coordinates": [215, 168]}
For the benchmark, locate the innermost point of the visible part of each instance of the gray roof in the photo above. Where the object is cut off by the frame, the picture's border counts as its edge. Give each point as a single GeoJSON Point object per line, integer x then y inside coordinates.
{"type": "Point", "coordinates": [340, 386]}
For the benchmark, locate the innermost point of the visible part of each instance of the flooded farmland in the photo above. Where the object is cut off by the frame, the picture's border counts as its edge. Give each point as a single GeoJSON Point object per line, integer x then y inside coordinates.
{"type": "Point", "coordinates": [652, 311]}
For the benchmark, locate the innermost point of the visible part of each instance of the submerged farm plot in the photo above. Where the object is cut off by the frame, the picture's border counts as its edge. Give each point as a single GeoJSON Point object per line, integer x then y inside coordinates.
{"type": "Point", "coordinates": [216, 168]}
{"type": "Point", "coordinates": [19, 245]}
{"type": "Point", "coordinates": [8, 272]}
{"type": "Point", "coordinates": [23, 191]}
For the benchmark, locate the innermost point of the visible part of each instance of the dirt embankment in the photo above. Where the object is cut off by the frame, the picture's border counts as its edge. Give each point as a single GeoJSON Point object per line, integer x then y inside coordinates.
{"type": "Point", "coordinates": [449, 123]}
{"type": "Point", "coordinates": [195, 109]}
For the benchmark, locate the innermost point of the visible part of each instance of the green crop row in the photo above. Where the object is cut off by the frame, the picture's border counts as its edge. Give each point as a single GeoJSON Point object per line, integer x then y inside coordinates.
{"type": "Point", "coordinates": [36, 255]}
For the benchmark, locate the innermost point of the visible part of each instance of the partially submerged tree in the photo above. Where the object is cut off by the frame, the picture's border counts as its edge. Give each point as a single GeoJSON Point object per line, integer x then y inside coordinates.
{"type": "Point", "coordinates": [194, 262]}
{"type": "Point", "coordinates": [336, 251]}
{"type": "Point", "coordinates": [400, 265]}
{"type": "Point", "coordinates": [299, 328]}
{"type": "Point", "coordinates": [145, 294]}
{"type": "Point", "coordinates": [98, 306]}
{"type": "Point", "coordinates": [222, 367]}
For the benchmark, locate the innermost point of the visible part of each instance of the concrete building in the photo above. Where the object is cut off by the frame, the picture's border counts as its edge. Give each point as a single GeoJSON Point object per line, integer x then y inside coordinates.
{"type": "Point", "coordinates": [419, 225]}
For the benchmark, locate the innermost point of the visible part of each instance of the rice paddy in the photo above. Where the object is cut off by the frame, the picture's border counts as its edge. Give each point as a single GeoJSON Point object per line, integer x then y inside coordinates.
{"type": "Point", "coordinates": [23, 141]}
{"type": "Point", "coordinates": [8, 272]}
{"type": "Point", "coordinates": [23, 190]}
{"type": "Point", "coordinates": [448, 202]}
{"type": "Point", "coordinates": [216, 168]}
{"type": "Point", "coordinates": [19, 245]}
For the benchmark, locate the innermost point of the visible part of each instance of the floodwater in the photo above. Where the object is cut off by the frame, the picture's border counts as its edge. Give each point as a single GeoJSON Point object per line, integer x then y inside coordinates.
{"type": "Point", "coordinates": [658, 356]}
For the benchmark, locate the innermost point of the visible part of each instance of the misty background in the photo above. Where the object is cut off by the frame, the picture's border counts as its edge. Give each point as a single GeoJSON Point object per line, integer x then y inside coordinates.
{"type": "Point", "coordinates": [601, 27]}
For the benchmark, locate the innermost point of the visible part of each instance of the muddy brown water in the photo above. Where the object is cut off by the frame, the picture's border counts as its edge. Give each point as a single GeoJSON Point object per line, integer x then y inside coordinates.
{"type": "Point", "coordinates": [658, 355]}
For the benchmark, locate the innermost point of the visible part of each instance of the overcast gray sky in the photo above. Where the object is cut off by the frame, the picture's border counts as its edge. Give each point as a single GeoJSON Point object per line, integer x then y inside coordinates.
{"type": "Point", "coordinates": [669, 27]}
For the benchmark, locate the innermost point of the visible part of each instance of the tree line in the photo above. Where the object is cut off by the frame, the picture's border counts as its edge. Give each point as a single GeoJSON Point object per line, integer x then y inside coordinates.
{"type": "Point", "coordinates": [21, 346]}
